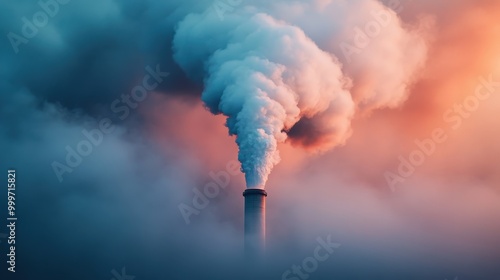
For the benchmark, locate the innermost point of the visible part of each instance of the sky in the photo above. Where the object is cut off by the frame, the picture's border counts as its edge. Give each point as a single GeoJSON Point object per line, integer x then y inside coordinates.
{"type": "Point", "coordinates": [135, 126]}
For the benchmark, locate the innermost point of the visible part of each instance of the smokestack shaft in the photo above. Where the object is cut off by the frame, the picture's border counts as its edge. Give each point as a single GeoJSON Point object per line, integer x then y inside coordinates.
{"type": "Point", "coordinates": [255, 222]}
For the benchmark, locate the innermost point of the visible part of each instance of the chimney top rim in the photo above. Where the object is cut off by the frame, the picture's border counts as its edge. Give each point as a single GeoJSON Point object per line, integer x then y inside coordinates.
{"type": "Point", "coordinates": [254, 192]}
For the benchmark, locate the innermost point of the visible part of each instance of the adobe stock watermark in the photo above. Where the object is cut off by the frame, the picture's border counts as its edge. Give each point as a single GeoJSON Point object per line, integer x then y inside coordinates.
{"type": "Point", "coordinates": [122, 108]}
{"type": "Point", "coordinates": [224, 6]}
{"type": "Point", "coordinates": [363, 35]}
{"type": "Point", "coordinates": [211, 190]}
{"type": "Point", "coordinates": [454, 117]}
{"type": "Point", "coordinates": [310, 264]}
{"type": "Point", "coordinates": [122, 276]}
{"type": "Point", "coordinates": [31, 27]}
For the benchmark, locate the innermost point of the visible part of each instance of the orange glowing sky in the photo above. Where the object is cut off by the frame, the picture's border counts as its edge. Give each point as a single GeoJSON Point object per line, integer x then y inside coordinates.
{"type": "Point", "coordinates": [455, 192]}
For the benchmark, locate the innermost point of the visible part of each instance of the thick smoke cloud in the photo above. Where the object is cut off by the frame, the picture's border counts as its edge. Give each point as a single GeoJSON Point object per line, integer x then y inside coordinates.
{"type": "Point", "coordinates": [264, 75]}
{"type": "Point", "coordinates": [272, 81]}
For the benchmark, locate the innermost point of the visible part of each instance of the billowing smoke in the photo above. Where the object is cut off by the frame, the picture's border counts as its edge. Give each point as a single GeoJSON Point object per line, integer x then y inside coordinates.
{"type": "Point", "coordinates": [264, 75]}
{"type": "Point", "coordinates": [272, 82]}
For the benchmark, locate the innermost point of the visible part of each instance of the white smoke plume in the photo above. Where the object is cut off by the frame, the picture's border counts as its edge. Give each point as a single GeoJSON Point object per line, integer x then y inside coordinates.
{"type": "Point", "coordinates": [272, 82]}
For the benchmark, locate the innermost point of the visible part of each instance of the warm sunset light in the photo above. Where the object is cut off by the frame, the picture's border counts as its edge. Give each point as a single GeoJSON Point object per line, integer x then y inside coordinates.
{"type": "Point", "coordinates": [254, 140]}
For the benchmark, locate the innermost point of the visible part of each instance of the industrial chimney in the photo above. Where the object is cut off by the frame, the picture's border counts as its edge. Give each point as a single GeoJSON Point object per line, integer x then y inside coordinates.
{"type": "Point", "coordinates": [255, 222]}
